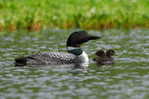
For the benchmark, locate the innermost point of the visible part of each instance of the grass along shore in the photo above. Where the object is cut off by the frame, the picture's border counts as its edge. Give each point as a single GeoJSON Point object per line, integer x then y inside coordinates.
{"type": "Point", "coordinates": [66, 14]}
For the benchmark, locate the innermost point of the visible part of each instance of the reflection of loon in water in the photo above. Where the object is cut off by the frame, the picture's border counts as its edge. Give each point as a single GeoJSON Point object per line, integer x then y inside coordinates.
{"type": "Point", "coordinates": [104, 58]}
{"type": "Point", "coordinates": [75, 54]}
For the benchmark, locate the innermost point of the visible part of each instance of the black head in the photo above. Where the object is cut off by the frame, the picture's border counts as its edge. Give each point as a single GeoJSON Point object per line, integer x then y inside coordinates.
{"type": "Point", "coordinates": [100, 53]}
{"type": "Point", "coordinates": [79, 37]}
{"type": "Point", "coordinates": [110, 52]}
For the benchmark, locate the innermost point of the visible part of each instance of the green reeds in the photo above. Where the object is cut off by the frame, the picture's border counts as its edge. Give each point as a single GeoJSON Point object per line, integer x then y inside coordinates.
{"type": "Point", "coordinates": [88, 14]}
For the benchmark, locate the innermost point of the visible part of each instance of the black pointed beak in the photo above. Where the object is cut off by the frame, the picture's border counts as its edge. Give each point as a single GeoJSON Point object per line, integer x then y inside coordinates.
{"type": "Point", "coordinates": [88, 38]}
{"type": "Point", "coordinates": [92, 37]}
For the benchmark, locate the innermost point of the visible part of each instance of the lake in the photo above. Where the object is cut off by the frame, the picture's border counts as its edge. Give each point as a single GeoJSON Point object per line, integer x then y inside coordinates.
{"type": "Point", "coordinates": [128, 78]}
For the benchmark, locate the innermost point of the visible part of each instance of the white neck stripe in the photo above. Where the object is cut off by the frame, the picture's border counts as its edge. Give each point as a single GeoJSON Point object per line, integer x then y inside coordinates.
{"type": "Point", "coordinates": [72, 48]}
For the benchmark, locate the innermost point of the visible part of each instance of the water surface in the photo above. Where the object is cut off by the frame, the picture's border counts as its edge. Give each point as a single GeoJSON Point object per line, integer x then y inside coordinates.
{"type": "Point", "coordinates": [128, 78]}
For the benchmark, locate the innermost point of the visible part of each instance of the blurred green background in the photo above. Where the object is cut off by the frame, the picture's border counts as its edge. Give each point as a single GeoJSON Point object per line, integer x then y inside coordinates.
{"type": "Point", "coordinates": [67, 14]}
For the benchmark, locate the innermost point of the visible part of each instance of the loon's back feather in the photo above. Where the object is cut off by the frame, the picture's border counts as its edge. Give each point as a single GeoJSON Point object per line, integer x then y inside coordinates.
{"type": "Point", "coordinates": [49, 58]}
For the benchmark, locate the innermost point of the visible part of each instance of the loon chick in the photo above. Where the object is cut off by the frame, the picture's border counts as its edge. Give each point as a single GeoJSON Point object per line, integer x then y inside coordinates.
{"type": "Point", "coordinates": [75, 54]}
{"type": "Point", "coordinates": [104, 58]}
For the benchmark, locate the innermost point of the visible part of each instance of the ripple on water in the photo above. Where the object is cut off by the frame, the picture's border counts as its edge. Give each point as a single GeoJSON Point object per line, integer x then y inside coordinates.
{"type": "Point", "coordinates": [127, 78]}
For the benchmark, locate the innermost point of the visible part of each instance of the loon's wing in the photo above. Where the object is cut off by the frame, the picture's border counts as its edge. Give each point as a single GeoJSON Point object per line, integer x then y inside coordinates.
{"type": "Point", "coordinates": [50, 58]}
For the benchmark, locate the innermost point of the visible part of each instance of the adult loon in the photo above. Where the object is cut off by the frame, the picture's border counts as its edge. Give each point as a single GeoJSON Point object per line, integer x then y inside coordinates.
{"type": "Point", "coordinates": [75, 54]}
{"type": "Point", "coordinates": [104, 58]}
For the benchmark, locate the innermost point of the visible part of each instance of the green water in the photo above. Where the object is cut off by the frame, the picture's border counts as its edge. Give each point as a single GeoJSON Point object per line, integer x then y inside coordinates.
{"type": "Point", "coordinates": [128, 78]}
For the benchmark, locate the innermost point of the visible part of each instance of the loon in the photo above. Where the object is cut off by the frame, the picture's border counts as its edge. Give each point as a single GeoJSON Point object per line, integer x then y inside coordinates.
{"type": "Point", "coordinates": [104, 58]}
{"type": "Point", "coordinates": [74, 55]}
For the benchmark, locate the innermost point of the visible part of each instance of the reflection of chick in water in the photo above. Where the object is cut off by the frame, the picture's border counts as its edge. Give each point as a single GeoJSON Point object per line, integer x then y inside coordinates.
{"type": "Point", "coordinates": [104, 58]}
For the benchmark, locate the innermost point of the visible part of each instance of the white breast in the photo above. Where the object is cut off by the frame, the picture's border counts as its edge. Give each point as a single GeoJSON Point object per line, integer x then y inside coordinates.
{"type": "Point", "coordinates": [84, 59]}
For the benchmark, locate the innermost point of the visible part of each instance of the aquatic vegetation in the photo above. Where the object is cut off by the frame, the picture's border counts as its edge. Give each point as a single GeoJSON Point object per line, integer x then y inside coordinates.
{"type": "Point", "coordinates": [89, 14]}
